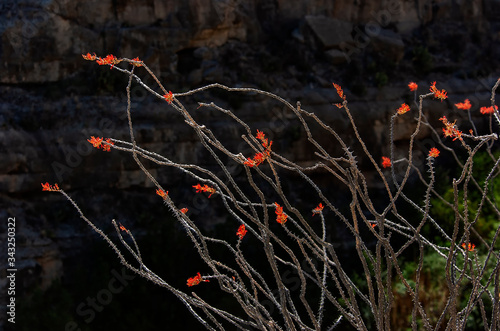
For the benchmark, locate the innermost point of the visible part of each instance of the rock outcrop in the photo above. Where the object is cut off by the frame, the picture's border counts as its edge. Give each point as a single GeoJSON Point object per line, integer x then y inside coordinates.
{"type": "Point", "coordinates": [42, 41]}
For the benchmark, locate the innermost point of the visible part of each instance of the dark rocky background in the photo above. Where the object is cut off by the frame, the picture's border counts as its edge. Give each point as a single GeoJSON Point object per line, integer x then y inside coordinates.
{"type": "Point", "coordinates": [51, 101]}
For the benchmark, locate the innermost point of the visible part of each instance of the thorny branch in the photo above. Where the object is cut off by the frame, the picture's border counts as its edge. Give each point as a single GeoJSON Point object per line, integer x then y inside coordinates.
{"type": "Point", "coordinates": [326, 292]}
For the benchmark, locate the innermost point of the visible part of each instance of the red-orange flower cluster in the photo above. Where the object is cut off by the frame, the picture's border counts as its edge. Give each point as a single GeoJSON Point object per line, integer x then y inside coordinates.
{"type": "Point", "coordinates": [261, 156]}
{"type": "Point", "coordinates": [463, 105]}
{"type": "Point", "coordinates": [450, 129]}
{"type": "Point", "coordinates": [169, 97]}
{"type": "Point", "coordinates": [48, 187]}
{"type": "Point", "coordinates": [98, 143]}
{"type": "Point", "coordinates": [434, 152]}
{"type": "Point", "coordinates": [109, 59]}
{"type": "Point", "coordinates": [413, 86]}
{"type": "Point", "coordinates": [470, 247]}
{"type": "Point", "coordinates": [318, 209]}
{"type": "Point", "coordinates": [438, 94]}
{"type": "Point", "coordinates": [488, 110]}
{"type": "Point", "coordinates": [137, 63]}
{"type": "Point", "coordinates": [106, 147]}
{"type": "Point", "coordinates": [162, 193]}
{"type": "Point", "coordinates": [386, 162]}
{"type": "Point", "coordinates": [242, 231]}
{"type": "Point", "coordinates": [183, 210]}
{"type": "Point", "coordinates": [281, 217]}
{"type": "Point", "coordinates": [340, 92]}
{"type": "Point", "coordinates": [204, 188]}
{"type": "Point", "coordinates": [123, 228]}
{"type": "Point", "coordinates": [196, 280]}
{"type": "Point", "coordinates": [89, 57]}
{"type": "Point", "coordinates": [403, 109]}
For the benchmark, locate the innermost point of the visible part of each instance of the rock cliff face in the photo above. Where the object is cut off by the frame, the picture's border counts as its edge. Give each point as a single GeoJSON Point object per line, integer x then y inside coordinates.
{"type": "Point", "coordinates": [51, 100]}
{"type": "Point", "coordinates": [42, 40]}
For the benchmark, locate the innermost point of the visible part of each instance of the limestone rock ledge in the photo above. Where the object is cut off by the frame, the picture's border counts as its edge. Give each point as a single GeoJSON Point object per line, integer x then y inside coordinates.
{"type": "Point", "coordinates": [42, 41]}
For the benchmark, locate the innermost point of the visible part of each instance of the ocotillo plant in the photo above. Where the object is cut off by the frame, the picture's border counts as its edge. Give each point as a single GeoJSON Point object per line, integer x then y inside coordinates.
{"type": "Point", "coordinates": [326, 293]}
